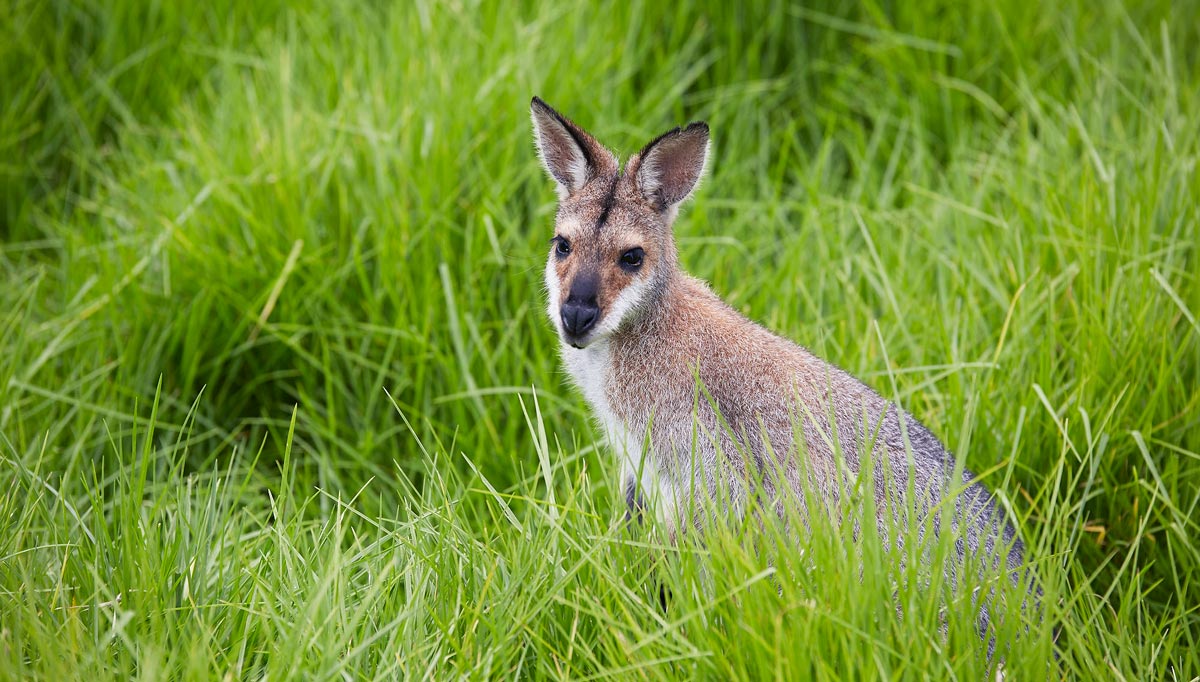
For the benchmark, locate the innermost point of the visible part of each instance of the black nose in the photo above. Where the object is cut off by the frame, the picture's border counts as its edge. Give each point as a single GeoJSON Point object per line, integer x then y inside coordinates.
{"type": "Point", "coordinates": [578, 318]}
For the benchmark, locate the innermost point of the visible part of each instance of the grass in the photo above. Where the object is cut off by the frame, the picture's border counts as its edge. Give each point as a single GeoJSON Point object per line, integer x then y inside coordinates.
{"type": "Point", "coordinates": [277, 398]}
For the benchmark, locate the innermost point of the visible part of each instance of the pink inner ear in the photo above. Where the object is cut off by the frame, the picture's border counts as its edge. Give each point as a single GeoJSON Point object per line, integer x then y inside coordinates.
{"type": "Point", "coordinates": [570, 155]}
{"type": "Point", "coordinates": [564, 160]}
{"type": "Point", "coordinates": [671, 166]}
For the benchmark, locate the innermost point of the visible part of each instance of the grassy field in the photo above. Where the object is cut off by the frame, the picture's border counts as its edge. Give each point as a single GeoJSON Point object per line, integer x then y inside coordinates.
{"type": "Point", "coordinates": [278, 398]}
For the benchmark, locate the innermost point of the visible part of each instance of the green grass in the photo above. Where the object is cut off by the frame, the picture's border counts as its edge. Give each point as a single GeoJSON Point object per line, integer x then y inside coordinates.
{"type": "Point", "coordinates": [277, 396]}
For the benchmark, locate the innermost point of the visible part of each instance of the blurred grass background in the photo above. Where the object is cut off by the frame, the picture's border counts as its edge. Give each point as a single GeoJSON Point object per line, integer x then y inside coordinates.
{"type": "Point", "coordinates": [271, 324]}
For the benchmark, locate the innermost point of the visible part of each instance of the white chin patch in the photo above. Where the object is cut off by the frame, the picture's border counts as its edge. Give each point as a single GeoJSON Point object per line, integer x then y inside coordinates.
{"type": "Point", "coordinates": [627, 302]}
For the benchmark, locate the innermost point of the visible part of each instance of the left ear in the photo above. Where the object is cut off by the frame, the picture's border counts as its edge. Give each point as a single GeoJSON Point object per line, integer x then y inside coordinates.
{"type": "Point", "coordinates": [571, 156]}
{"type": "Point", "coordinates": [670, 167]}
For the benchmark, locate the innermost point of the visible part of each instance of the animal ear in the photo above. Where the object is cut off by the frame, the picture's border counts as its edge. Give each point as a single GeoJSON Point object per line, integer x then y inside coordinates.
{"type": "Point", "coordinates": [669, 168]}
{"type": "Point", "coordinates": [571, 156]}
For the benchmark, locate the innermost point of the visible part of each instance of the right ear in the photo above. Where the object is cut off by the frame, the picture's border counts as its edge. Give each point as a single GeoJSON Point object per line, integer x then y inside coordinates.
{"type": "Point", "coordinates": [570, 155]}
{"type": "Point", "coordinates": [669, 168]}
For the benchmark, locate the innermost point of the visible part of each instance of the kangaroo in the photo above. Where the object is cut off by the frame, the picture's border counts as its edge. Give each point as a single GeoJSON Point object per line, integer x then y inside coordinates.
{"type": "Point", "coordinates": [659, 358]}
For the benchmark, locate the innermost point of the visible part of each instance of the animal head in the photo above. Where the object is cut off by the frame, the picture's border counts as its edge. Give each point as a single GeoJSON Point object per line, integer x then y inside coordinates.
{"type": "Point", "coordinates": [612, 251]}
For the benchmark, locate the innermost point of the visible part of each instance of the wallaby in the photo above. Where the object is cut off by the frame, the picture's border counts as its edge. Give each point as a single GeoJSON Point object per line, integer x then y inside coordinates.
{"type": "Point", "coordinates": [659, 356]}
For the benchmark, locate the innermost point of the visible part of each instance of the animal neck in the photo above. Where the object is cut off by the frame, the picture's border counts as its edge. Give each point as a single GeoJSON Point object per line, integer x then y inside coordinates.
{"type": "Point", "coordinates": [664, 320]}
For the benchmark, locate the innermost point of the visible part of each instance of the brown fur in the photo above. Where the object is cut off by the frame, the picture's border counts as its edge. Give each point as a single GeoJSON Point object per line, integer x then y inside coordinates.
{"type": "Point", "coordinates": [735, 428]}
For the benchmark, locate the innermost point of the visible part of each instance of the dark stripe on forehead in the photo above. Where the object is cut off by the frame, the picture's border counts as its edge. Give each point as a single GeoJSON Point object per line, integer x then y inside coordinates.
{"type": "Point", "coordinates": [610, 200]}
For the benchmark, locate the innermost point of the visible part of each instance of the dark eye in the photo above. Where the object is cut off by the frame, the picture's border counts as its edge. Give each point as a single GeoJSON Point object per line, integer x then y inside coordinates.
{"type": "Point", "coordinates": [561, 246]}
{"type": "Point", "coordinates": [632, 258]}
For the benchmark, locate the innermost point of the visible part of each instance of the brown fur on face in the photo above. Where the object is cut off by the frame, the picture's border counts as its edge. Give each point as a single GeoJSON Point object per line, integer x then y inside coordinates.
{"type": "Point", "coordinates": [603, 221]}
